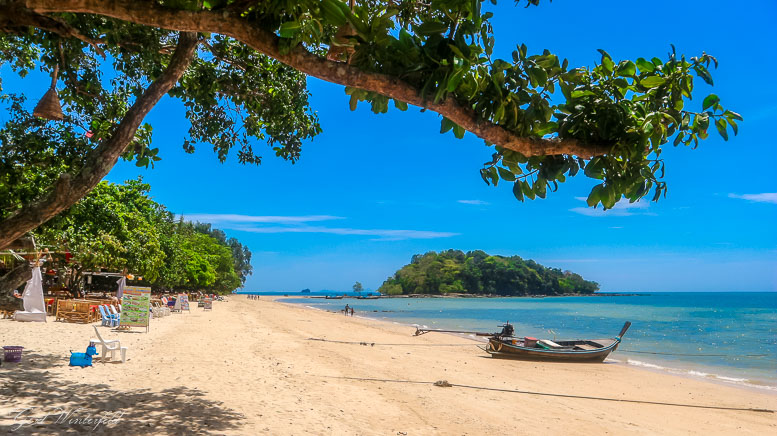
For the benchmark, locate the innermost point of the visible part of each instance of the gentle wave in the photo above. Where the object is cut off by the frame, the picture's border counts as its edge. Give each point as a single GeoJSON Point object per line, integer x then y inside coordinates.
{"type": "Point", "coordinates": [706, 375]}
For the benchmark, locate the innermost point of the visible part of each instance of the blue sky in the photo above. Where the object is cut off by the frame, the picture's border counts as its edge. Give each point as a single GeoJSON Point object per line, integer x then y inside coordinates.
{"type": "Point", "coordinates": [372, 190]}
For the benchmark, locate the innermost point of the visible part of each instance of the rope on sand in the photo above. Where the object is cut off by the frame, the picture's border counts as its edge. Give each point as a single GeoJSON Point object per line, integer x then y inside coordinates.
{"type": "Point", "coordinates": [445, 383]}
{"type": "Point", "coordinates": [372, 344]}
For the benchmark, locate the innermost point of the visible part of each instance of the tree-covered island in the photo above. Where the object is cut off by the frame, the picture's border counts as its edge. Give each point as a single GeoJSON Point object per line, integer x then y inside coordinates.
{"type": "Point", "coordinates": [477, 272]}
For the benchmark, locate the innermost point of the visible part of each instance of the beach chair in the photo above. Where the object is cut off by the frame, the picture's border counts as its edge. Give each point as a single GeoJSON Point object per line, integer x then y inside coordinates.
{"type": "Point", "coordinates": [107, 320]}
{"type": "Point", "coordinates": [112, 345]}
{"type": "Point", "coordinates": [115, 317]}
{"type": "Point", "coordinates": [156, 311]}
{"type": "Point", "coordinates": [113, 311]}
{"type": "Point", "coordinates": [109, 313]}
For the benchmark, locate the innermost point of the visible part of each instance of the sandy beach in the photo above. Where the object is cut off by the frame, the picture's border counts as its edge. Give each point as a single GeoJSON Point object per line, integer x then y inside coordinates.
{"type": "Point", "coordinates": [250, 367]}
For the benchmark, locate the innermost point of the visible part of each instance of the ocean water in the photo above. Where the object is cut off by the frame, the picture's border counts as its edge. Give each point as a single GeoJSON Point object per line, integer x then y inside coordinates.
{"type": "Point", "coordinates": [724, 337]}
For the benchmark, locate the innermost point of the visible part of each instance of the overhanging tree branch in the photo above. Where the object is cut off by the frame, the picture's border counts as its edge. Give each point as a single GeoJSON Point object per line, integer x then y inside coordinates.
{"type": "Point", "coordinates": [229, 24]}
{"type": "Point", "coordinates": [69, 189]}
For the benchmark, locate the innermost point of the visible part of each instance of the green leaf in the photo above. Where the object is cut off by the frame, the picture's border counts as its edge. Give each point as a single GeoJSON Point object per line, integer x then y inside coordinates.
{"type": "Point", "coordinates": [627, 69]}
{"type": "Point", "coordinates": [607, 63]}
{"type": "Point", "coordinates": [454, 80]}
{"type": "Point", "coordinates": [431, 28]}
{"type": "Point", "coordinates": [608, 197]}
{"type": "Point", "coordinates": [333, 13]}
{"type": "Point", "coordinates": [458, 131]}
{"type": "Point", "coordinates": [721, 125]}
{"type": "Point", "coordinates": [593, 197]}
{"type": "Point", "coordinates": [505, 174]}
{"type": "Point", "coordinates": [493, 175]}
{"type": "Point", "coordinates": [538, 76]}
{"type": "Point", "coordinates": [595, 168]}
{"type": "Point", "coordinates": [289, 29]}
{"type": "Point", "coordinates": [527, 190]}
{"type": "Point", "coordinates": [645, 66]}
{"type": "Point", "coordinates": [401, 105]}
{"type": "Point", "coordinates": [620, 83]}
{"type": "Point", "coordinates": [734, 126]}
{"type": "Point", "coordinates": [733, 115]}
{"type": "Point", "coordinates": [484, 176]}
{"type": "Point", "coordinates": [540, 187]}
{"type": "Point", "coordinates": [710, 100]}
{"type": "Point", "coordinates": [354, 101]}
{"type": "Point", "coordinates": [446, 125]}
{"type": "Point", "coordinates": [517, 191]}
{"type": "Point", "coordinates": [579, 93]}
{"type": "Point", "coordinates": [652, 81]}
{"type": "Point", "coordinates": [704, 74]}
{"type": "Point", "coordinates": [546, 128]}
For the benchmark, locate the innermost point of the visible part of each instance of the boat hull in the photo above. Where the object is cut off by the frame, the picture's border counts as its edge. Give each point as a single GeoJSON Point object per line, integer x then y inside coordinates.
{"type": "Point", "coordinates": [501, 349]}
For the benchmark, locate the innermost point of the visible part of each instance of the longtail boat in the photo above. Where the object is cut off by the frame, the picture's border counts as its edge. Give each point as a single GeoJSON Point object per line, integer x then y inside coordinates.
{"type": "Point", "coordinates": [505, 344]}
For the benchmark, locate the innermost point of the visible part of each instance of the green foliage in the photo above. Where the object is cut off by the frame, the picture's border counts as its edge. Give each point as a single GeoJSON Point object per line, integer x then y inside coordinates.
{"type": "Point", "coordinates": [357, 287]}
{"type": "Point", "coordinates": [114, 227]}
{"type": "Point", "coordinates": [476, 272]}
{"type": "Point", "coordinates": [233, 96]}
{"type": "Point", "coordinates": [119, 226]}
{"type": "Point", "coordinates": [625, 110]}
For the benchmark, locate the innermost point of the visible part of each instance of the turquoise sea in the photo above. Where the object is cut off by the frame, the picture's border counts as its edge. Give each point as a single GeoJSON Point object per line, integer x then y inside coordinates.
{"type": "Point", "coordinates": [736, 331]}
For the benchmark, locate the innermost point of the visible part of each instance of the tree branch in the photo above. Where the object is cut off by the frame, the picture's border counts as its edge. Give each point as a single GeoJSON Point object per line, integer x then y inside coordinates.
{"type": "Point", "coordinates": [69, 189]}
{"type": "Point", "coordinates": [229, 24]}
{"type": "Point", "coordinates": [14, 17]}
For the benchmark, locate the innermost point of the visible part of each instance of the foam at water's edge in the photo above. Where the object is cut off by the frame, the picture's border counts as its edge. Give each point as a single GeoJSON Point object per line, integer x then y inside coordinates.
{"type": "Point", "coordinates": [705, 375]}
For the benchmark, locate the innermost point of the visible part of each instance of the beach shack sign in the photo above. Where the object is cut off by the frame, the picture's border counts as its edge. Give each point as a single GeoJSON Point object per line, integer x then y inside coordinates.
{"type": "Point", "coordinates": [135, 305]}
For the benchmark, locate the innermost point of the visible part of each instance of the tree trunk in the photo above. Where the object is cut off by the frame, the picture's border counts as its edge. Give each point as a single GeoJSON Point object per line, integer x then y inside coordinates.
{"type": "Point", "coordinates": [11, 281]}
{"type": "Point", "coordinates": [69, 189]}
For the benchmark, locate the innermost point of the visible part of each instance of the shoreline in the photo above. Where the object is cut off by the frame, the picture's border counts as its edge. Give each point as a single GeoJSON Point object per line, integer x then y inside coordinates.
{"type": "Point", "coordinates": [691, 373]}
{"type": "Point", "coordinates": [249, 367]}
{"type": "Point", "coordinates": [452, 296]}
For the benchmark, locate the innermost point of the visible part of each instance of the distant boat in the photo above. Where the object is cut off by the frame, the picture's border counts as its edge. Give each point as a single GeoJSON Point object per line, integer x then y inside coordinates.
{"type": "Point", "coordinates": [334, 297]}
{"type": "Point", "coordinates": [505, 345]}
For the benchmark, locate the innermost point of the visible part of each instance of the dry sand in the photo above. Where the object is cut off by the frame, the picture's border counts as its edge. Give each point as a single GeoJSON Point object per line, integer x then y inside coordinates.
{"type": "Point", "coordinates": [248, 367]}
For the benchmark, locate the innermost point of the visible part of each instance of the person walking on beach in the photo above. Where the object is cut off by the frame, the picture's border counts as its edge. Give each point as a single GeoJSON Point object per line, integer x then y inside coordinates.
{"type": "Point", "coordinates": [347, 310]}
{"type": "Point", "coordinates": [351, 311]}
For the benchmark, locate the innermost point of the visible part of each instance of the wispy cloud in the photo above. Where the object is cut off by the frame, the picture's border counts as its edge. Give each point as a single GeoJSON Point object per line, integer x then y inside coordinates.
{"type": "Point", "coordinates": [475, 202]}
{"type": "Point", "coordinates": [764, 197]}
{"type": "Point", "coordinates": [299, 224]}
{"type": "Point", "coordinates": [270, 219]}
{"type": "Point", "coordinates": [383, 234]}
{"type": "Point", "coordinates": [621, 208]}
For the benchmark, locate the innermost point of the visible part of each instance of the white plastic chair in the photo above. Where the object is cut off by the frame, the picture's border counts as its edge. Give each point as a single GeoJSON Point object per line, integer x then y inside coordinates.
{"type": "Point", "coordinates": [112, 345]}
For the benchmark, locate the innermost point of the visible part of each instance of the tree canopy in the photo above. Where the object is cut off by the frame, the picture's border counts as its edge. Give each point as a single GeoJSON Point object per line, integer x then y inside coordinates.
{"type": "Point", "coordinates": [239, 67]}
{"type": "Point", "coordinates": [120, 228]}
{"type": "Point", "coordinates": [477, 272]}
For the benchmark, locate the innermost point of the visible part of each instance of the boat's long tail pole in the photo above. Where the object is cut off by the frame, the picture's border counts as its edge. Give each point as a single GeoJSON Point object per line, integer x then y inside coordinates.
{"type": "Point", "coordinates": [420, 331]}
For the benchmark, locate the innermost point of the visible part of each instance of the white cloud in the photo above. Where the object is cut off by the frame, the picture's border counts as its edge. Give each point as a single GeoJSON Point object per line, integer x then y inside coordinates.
{"type": "Point", "coordinates": [383, 234]}
{"type": "Point", "coordinates": [765, 197]}
{"type": "Point", "coordinates": [475, 202]}
{"type": "Point", "coordinates": [621, 208]}
{"type": "Point", "coordinates": [233, 218]}
{"type": "Point", "coordinates": [299, 224]}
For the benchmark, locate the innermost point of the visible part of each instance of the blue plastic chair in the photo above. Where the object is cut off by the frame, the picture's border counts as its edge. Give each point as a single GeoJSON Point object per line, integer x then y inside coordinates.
{"type": "Point", "coordinates": [108, 319]}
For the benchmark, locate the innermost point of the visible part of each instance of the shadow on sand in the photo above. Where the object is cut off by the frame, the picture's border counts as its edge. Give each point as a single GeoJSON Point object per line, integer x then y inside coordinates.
{"type": "Point", "coordinates": [28, 391]}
